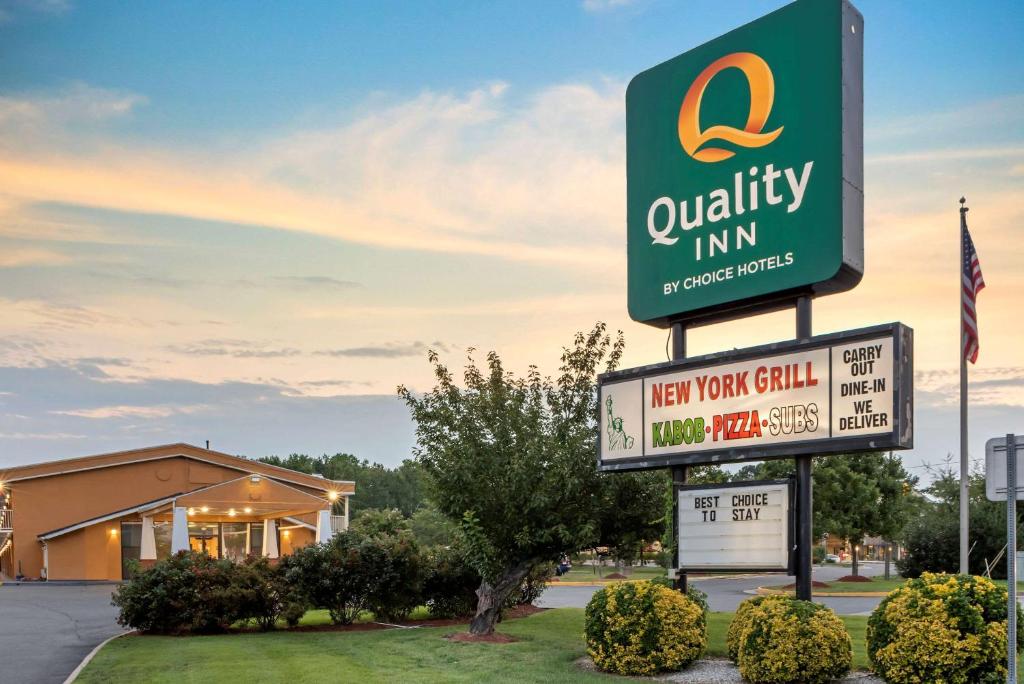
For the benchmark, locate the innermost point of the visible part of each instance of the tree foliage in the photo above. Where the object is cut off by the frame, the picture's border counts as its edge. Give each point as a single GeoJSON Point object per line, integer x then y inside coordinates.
{"type": "Point", "coordinates": [855, 495]}
{"type": "Point", "coordinates": [511, 461]}
{"type": "Point", "coordinates": [377, 486]}
{"type": "Point", "coordinates": [932, 536]}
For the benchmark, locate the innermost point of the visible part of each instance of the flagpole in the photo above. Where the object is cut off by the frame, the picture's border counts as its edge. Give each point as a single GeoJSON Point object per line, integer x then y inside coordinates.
{"type": "Point", "coordinates": [964, 463]}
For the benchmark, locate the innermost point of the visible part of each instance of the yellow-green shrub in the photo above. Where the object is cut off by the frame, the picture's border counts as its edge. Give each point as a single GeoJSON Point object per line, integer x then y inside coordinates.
{"type": "Point", "coordinates": [940, 628]}
{"type": "Point", "coordinates": [786, 640]}
{"type": "Point", "coordinates": [637, 628]}
{"type": "Point", "coordinates": [740, 621]}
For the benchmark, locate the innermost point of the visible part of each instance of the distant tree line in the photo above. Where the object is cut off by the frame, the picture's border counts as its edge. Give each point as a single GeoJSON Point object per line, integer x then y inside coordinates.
{"type": "Point", "coordinates": [402, 488]}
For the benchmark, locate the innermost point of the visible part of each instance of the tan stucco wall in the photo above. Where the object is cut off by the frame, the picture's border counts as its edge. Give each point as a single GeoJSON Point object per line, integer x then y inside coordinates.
{"type": "Point", "coordinates": [59, 499]}
{"type": "Point", "coordinates": [91, 553]}
{"type": "Point", "coordinates": [48, 503]}
{"type": "Point", "coordinates": [296, 539]}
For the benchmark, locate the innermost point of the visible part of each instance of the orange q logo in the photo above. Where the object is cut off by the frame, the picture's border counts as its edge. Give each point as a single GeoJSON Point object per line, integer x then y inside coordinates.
{"type": "Point", "coordinates": [762, 94]}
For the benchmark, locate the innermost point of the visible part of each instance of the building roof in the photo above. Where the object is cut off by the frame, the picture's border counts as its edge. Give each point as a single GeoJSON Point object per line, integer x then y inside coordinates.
{"type": "Point", "coordinates": [105, 517]}
{"type": "Point", "coordinates": [178, 450]}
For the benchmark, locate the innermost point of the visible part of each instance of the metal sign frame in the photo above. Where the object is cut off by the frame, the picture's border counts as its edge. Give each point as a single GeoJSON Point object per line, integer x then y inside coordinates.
{"type": "Point", "coordinates": [791, 516]}
{"type": "Point", "coordinates": [899, 437]}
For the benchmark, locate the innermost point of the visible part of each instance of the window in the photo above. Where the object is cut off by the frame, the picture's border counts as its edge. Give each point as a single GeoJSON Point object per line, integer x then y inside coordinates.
{"type": "Point", "coordinates": [256, 539]}
{"type": "Point", "coordinates": [131, 546]}
{"type": "Point", "coordinates": [162, 535]}
{"type": "Point", "coordinates": [235, 540]}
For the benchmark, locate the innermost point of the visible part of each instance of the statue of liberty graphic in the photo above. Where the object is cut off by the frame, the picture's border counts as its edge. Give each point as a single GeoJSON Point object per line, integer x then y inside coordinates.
{"type": "Point", "coordinates": [617, 438]}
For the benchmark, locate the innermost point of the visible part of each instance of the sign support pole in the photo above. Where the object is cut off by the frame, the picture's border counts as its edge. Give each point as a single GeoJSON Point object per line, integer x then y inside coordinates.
{"type": "Point", "coordinates": [1011, 558]}
{"type": "Point", "coordinates": [678, 473]}
{"type": "Point", "coordinates": [804, 501]}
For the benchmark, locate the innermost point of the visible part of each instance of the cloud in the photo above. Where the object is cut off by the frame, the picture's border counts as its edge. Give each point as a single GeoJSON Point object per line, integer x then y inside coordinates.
{"type": "Point", "coordinates": [316, 282]}
{"type": "Point", "coordinates": [51, 7]}
{"type": "Point", "coordinates": [101, 412]}
{"type": "Point", "coordinates": [13, 257]}
{"type": "Point", "coordinates": [999, 386]}
{"type": "Point", "coordinates": [77, 104]}
{"type": "Point", "coordinates": [605, 5]}
{"type": "Point", "coordinates": [387, 351]}
{"type": "Point", "coordinates": [480, 172]}
{"type": "Point", "coordinates": [69, 413]}
{"type": "Point", "coordinates": [239, 349]}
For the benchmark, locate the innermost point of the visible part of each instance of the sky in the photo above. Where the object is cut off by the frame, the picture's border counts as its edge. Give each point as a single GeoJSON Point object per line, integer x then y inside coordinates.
{"type": "Point", "coordinates": [249, 222]}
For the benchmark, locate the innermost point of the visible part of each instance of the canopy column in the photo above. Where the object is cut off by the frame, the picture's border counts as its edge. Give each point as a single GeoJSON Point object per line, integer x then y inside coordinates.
{"type": "Point", "coordinates": [179, 531]}
{"type": "Point", "coordinates": [270, 538]}
{"type": "Point", "coordinates": [323, 526]}
{"type": "Point", "coordinates": [147, 549]}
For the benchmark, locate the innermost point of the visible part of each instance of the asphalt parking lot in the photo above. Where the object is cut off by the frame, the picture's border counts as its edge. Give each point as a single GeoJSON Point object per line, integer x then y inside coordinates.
{"type": "Point", "coordinates": [46, 629]}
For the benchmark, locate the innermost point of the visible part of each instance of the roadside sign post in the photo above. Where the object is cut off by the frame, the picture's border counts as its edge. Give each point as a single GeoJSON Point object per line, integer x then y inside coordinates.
{"type": "Point", "coordinates": [1000, 485]}
{"type": "Point", "coordinates": [1011, 558]}
{"type": "Point", "coordinates": [804, 493]}
{"type": "Point", "coordinates": [744, 177]}
{"type": "Point", "coordinates": [678, 473]}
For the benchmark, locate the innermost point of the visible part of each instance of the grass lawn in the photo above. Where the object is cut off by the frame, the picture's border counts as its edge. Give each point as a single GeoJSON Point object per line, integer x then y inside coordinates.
{"type": "Point", "coordinates": [548, 644]}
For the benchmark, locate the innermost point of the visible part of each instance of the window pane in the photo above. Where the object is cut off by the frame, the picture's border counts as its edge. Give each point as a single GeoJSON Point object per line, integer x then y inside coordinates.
{"type": "Point", "coordinates": [204, 538]}
{"type": "Point", "coordinates": [235, 542]}
{"type": "Point", "coordinates": [162, 534]}
{"type": "Point", "coordinates": [256, 538]}
{"type": "Point", "coordinates": [131, 546]}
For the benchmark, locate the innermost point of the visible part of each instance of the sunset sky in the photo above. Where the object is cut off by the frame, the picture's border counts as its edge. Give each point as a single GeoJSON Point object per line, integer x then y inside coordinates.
{"type": "Point", "coordinates": [248, 222]}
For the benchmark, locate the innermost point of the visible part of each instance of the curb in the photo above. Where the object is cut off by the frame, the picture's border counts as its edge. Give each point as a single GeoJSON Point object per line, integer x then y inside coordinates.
{"type": "Point", "coordinates": [92, 654]}
{"type": "Point", "coordinates": [765, 591]}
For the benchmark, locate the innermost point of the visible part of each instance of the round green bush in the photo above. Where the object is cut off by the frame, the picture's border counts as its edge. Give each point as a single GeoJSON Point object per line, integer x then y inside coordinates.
{"type": "Point", "coordinates": [787, 640]}
{"type": "Point", "coordinates": [740, 621]}
{"type": "Point", "coordinates": [639, 628]}
{"type": "Point", "coordinates": [940, 628]}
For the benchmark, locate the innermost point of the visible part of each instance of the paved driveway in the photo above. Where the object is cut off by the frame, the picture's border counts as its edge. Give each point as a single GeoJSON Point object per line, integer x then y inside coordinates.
{"type": "Point", "coordinates": [46, 629]}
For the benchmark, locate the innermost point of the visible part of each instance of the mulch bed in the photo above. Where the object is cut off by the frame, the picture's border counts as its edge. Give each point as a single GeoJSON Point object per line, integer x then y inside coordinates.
{"type": "Point", "coordinates": [854, 578]}
{"type": "Point", "coordinates": [615, 576]}
{"type": "Point", "coordinates": [815, 584]}
{"type": "Point", "coordinates": [520, 611]}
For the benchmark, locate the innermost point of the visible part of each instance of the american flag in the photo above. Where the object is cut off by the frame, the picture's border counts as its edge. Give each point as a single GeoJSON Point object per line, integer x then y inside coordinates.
{"type": "Point", "coordinates": [973, 283]}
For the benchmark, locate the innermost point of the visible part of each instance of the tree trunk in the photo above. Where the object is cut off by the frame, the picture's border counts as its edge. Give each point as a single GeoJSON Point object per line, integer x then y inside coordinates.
{"type": "Point", "coordinates": [855, 558]}
{"type": "Point", "coordinates": [888, 558]}
{"type": "Point", "coordinates": [490, 598]}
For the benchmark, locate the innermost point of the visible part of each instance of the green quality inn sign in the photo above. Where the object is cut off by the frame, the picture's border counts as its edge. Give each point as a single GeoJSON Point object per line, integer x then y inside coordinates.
{"type": "Point", "coordinates": [745, 167]}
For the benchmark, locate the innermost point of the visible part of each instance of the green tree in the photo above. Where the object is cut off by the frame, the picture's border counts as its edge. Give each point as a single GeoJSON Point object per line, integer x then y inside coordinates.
{"type": "Point", "coordinates": [630, 513]}
{"type": "Point", "coordinates": [511, 460]}
{"type": "Point", "coordinates": [860, 495]}
{"type": "Point", "coordinates": [377, 486]}
{"type": "Point", "coordinates": [932, 536]}
{"type": "Point", "coordinates": [431, 527]}
{"type": "Point", "coordinates": [854, 495]}
{"type": "Point", "coordinates": [371, 522]}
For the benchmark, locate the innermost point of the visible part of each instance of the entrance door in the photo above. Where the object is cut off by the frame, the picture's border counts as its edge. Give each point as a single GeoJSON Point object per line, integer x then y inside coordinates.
{"type": "Point", "coordinates": [204, 538]}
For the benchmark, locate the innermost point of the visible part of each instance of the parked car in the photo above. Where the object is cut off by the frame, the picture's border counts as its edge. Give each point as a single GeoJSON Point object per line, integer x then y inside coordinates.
{"type": "Point", "coordinates": [831, 558]}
